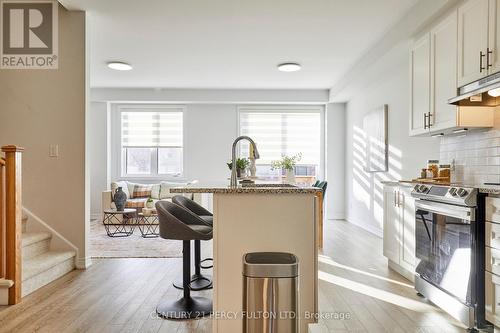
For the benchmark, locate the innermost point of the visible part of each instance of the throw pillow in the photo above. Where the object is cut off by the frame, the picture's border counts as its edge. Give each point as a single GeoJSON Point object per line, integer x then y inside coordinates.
{"type": "Point", "coordinates": [142, 191]}
{"type": "Point", "coordinates": [165, 189]}
{"type": "Point", "coordinates": [155, 191]}
{"type": "Point", "coordinates": [123, 185]}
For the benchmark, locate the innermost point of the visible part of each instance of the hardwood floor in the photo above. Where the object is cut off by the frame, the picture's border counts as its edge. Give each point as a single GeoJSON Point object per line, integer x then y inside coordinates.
{"type": "Point", "coordinates": [120, 295]}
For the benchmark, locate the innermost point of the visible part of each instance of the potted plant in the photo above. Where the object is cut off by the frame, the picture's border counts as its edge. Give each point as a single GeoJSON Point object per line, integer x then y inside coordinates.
{"type": "Point", "coordinates": [287, 163]}
{"type": "Point", "coordinates": [241, 165]}
{"type": "Point", "coordinates": [150, 203]}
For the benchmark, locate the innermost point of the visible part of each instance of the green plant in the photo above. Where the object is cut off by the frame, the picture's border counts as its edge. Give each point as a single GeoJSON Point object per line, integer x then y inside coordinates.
{"type": "Point", "coordinates": [286, 162]}
{"type": "Point", "coordinates": [150, 200]}
{"type": "Point", "coordinates": [241, 164]}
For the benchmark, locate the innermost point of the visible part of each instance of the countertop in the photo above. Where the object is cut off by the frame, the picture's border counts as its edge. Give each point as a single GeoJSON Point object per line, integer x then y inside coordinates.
{"type": "Point", "coordinates": [482, 188]}
{"type": "Point", "coordinates": [255, 188]}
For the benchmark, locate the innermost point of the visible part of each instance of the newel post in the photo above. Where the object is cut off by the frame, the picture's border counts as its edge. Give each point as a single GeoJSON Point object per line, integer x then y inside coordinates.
{"type": "Point", "coordinates": [13, 219]}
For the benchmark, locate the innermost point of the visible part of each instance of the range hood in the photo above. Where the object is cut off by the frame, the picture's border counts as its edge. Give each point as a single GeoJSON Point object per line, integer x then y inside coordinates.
{"type": "Point", "coordinates": [476, 93]}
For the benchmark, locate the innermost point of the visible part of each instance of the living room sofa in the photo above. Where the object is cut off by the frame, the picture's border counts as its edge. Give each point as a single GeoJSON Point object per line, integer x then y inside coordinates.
{"type": "Point", "coordinates": [138, 194]}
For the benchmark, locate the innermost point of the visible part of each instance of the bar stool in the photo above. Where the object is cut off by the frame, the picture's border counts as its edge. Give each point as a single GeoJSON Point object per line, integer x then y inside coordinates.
{"type": "Point", "coordinates": [198, 280]}
{"type": "Point", "coordinates": [176, 222]}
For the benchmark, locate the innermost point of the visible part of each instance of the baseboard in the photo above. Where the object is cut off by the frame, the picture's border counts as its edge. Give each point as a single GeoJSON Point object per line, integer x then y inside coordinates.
{"type": "Point", "coordinates": [95, 216]}
{"type": "Point", "coordinates": [83, 263]}
{"type": "Point", "coordinates": [336, 216]}
{"type": "Point", "coordinates": [373, 230]}
{"type": "Point", "coordinates": [401, 271]}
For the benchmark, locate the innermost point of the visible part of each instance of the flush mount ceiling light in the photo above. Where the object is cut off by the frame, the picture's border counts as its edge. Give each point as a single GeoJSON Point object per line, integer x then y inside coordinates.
{"type": "Point", "coordinates": [289, 67]}
{"type": "Point", "coordinates": [119, 66]}
{"type": "Point", "coordinates": [494, 92]}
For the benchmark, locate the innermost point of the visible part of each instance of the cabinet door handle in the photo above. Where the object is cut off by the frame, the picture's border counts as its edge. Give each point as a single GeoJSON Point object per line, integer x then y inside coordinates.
{"type": "Point", "coordinates": [481, 55]}
{"type": "Point", "coordinates": [488, 52]}
{"type": "Point", "coordinates": [425, 120]}
{"type": "Point", "coordinates": [395, 202]}
{"type": "Point", "coordinates": [429, 115]}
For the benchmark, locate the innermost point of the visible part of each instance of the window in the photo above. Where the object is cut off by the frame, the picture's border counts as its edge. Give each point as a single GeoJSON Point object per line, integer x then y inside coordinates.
{"type": "Point", "coordinates": [151, 141]}
{"type": "Point", "coordinates": [289, 131]}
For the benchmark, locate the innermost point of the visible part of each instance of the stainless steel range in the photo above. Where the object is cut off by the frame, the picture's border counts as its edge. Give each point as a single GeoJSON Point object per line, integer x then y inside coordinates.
{"type": "Point", "coordinates": [450, 250]}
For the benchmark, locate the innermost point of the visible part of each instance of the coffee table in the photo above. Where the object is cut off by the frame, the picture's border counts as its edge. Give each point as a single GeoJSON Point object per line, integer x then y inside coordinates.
{"type": "Point", "coordinates": [120, 223]}
{"type": "Point", "coordinates": [148, 225]}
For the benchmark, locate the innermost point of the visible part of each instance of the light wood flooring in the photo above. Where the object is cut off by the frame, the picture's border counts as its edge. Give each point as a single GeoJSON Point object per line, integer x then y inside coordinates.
{"type": "Point", "coordinates": [120, 295]}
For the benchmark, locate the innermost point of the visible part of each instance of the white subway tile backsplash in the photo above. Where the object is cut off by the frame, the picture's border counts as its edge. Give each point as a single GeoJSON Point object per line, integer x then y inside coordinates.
{"type": "Point", "coordinates": [476, 155]}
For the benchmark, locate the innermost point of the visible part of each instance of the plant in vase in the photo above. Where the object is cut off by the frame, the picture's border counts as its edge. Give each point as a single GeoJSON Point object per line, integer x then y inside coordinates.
{"type": "Point", "coordinates": [287, 163]}
{"type": "Point", "coordinates": [241, 165]}
{"type": "Point", "coordinates": [150, 203]}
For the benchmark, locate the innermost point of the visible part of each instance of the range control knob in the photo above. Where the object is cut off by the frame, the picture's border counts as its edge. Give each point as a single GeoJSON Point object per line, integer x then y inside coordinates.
{"type": "Point", "coordinates": [462, 192]}
{"type": "Point", "coordinates": [422, 189]}
{"type": "Point", "coordinates": [452, 191]}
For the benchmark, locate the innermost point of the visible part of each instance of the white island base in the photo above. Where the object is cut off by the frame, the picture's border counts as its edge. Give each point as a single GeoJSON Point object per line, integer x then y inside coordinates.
{"type": "Point", "coordinates": [262, 222]}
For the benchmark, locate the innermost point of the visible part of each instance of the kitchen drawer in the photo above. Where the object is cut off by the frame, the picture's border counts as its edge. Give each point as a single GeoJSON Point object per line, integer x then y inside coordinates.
{"type": "Point", "coordinates": [493, 209]}
{"type": "Point", "coordinates": [492, 260]}
{"type": "Point", "coordinates": [492, 235]}
{"type": "Point", "coordinates": [492, 298]}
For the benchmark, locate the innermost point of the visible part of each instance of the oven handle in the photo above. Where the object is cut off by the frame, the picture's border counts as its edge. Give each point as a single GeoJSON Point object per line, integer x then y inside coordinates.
{"type": "Point", "coordinates": [459, 212]}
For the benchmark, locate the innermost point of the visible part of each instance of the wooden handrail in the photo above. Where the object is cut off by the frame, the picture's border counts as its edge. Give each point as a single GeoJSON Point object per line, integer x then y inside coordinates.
{"type": "Point", "coordinates": [12, 224]}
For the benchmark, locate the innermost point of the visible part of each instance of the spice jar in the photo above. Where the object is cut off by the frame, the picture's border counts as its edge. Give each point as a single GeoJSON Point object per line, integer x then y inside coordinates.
{"type": "Point", "coordinates": [433, 166]}
{"type": "Point", "coordinates": [423, 173]}
{"type": "Point", "coordinates": [444, 170]}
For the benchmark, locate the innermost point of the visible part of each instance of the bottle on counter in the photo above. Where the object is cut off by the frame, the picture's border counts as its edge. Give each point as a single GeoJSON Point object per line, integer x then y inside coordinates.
{"type": "Point", "coordinates": [423, 173]}
{"type": "Point", "coordinates": [433, 166]}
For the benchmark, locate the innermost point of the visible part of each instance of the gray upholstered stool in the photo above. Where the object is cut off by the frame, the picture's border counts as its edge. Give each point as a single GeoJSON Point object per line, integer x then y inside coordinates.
{"type": "Point", "coordinates": [198, 280]}
{"type": "Point", "coordinates": [176, 222]}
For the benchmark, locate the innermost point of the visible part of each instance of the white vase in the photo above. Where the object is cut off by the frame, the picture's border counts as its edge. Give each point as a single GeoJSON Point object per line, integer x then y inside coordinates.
{"type": "Point", "coordinates": [290, 176]}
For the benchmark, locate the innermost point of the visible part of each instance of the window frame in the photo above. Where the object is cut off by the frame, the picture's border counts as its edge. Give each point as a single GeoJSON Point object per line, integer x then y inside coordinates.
{"type": "Point", "coordinates": [117, 152]}
{"type": "Point", "coordinates": [289, 109]}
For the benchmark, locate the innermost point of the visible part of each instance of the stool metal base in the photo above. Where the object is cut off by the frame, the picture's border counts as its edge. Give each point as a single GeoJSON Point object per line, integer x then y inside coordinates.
{"type": "Point", "coordinates": [185, 308]}
{"type": "Point", "coordinates": [198, 282]}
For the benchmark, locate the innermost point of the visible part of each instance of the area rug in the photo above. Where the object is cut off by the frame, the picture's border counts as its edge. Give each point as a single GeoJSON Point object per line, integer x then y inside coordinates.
{"type": "Point", "coordinates": [133, 246]}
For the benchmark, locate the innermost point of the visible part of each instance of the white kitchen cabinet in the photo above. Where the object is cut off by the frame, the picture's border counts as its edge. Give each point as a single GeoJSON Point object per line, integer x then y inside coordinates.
{"type": "Point", "coordinates": [494, 35]}
{"type": "Point", "coordinates": [443, 73]}
{"type": "Point", "coordinates": [399, 228]}
{"type": "Point", "coordinates": [391, 224]}
{"type": "Point", "coordinates": [472, 40]}
{"type": "Point", "coordinates": [420, 71]}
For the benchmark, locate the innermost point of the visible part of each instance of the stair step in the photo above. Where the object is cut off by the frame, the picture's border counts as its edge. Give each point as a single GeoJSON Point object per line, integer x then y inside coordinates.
{"type": "Point", "coordinates": [35, 243]}
{"type": "Point", "coordinates": [45, 268]}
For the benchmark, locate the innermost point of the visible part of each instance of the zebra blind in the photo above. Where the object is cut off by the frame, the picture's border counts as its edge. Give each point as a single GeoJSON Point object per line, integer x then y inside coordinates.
{"type": "Point", "coordinates": [281, 132]}
{"type": "Point", "coordinates": [159, 128]}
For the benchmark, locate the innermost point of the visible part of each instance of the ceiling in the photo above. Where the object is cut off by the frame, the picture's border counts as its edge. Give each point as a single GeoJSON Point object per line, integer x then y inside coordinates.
{"type": "Point", "coordinates": [232, 44]}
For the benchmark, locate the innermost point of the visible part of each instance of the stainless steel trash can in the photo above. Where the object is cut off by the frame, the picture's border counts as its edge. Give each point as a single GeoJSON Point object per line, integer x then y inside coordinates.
{"type": "Point", "coordinates": [270, 292]}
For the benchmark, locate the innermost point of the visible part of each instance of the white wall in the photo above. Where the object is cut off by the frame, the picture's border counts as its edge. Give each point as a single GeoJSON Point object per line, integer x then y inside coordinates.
{"type": "Point", "coordinates": [97, 147]}
{"type": "Point", "coordinates": [335, 165]}
{"type": "Point", "coordinates": [406, 155]}
{"type": "Point", "coordinates": [43, 107]}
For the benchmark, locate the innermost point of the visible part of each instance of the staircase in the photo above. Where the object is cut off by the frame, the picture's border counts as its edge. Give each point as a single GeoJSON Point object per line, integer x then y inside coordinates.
{"type": "Point", "coordinates": [41, 264]}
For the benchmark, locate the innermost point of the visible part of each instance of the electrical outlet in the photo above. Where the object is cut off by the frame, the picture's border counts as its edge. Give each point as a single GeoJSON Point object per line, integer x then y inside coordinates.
{"type": "Point", "coordinates": [53, 150]}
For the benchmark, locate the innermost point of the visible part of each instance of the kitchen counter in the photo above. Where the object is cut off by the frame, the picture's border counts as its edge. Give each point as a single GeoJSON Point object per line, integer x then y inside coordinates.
{"type": "Point", "coordinates": [253, 188]}
{"type": "Point", "coordinates": [488, 189]}
{"type": "Point", "coordinates": [260, 218]}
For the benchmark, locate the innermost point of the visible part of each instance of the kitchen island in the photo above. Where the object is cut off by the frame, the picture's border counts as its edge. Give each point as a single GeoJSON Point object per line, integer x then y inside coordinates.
{"type": "Point", "coordinates": [260, 218]}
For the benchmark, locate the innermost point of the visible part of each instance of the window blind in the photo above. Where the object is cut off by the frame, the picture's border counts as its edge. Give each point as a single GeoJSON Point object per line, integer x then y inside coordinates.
{"type": "Point", "coordinates": [283, 132]}
{"type": "Point", "coordinates": [151, 128]}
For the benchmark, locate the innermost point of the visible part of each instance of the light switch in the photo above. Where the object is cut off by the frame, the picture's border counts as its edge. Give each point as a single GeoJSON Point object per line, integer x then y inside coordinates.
{"type": "Point", "coordinates": [53, 150]}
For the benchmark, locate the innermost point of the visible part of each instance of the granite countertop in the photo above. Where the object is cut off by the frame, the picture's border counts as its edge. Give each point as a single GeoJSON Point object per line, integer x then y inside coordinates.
{"type": "Point", "coordinates": [482, 188]}
{"type": "Point", "coordinates": [254, 188]}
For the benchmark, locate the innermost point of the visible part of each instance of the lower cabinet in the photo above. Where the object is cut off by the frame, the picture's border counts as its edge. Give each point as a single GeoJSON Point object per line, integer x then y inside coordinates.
{"type": "Point", "coordinates": [399, 229]}
{"type": "Point", "coordinates": [492, 262]}
{"type": "Point", "coordinates": [492, 298]}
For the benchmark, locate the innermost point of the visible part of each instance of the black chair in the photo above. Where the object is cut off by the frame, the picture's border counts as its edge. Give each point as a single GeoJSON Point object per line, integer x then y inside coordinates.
{"type": "Point", "coordinates": [322, 185]}
{"type": "Point", "coordinates": [198, 280]}
{"type": "Point", "coordinates": [176, 222]}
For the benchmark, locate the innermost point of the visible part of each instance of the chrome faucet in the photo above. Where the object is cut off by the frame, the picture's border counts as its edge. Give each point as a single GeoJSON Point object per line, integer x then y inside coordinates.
{"type": "Point", "coordinates": [234, 179]}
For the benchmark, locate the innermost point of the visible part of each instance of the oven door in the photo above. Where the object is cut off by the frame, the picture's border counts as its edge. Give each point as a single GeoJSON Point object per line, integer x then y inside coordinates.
{"type": "Point", "coordinates": [445, 247]}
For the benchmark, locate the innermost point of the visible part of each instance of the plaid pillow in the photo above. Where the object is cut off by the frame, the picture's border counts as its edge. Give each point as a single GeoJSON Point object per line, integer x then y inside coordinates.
{"type": "Point", "coordinates": [142, 191]}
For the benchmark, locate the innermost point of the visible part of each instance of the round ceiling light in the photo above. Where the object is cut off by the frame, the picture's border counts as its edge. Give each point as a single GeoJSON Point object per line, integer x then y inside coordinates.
{"type": "Point", "coordinates": [119, 66]}
{"type": "Point", "coordinates": [289, 67]}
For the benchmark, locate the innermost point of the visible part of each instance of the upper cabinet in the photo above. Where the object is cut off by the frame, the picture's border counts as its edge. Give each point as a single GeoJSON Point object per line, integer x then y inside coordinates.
{"type": "Point", "coordinates": [473, 50]}
{"type": "Point", "coordinates": [420, 72]}
{"type": "Point", "coordinates": [459, 49]}
{"type": "Point", "coordinates": [443, 74]}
